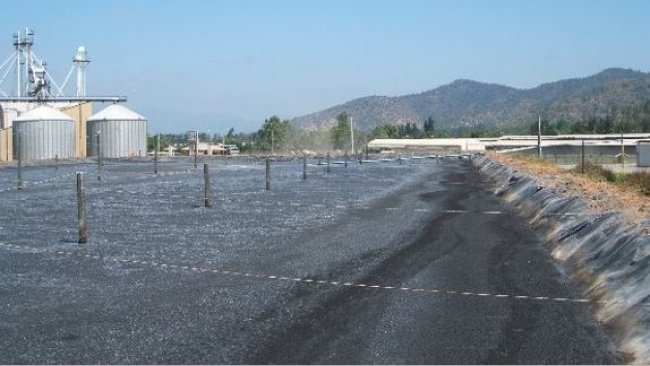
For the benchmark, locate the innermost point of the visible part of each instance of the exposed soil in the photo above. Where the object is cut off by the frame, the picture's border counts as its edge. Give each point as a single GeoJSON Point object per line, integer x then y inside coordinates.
{"type": "Point", "coordinates": [600, 196]}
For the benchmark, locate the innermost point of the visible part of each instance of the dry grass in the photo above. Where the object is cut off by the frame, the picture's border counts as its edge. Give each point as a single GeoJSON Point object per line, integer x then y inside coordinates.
{"type": "Point", "coordinates": [602, 190]}
{"type": "Point", "coordinates": [639, 181]}
{"type": "Point", "coordinates": [634, 182]}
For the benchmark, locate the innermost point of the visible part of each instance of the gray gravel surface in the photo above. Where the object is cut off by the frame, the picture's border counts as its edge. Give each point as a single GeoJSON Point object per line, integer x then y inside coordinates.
{"type": "Point", "coordinates": [373, 263]}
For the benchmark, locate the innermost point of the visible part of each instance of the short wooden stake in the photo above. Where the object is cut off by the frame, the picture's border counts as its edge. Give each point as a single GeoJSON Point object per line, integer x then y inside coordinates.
{"type": "Point", "coordinates": [81, 210]}
{"type": "Point", "coordinates": [207, 196]}
{"type": "Point", "coordinates": [328, 162]}
{"type": "Point", "coordinates": [99, 158]}
{"type": "Point", "coordinates": [155, 154]}
{"type": "Point", "coordinates": [268, 174]}
{"type": "Point", "coordinates": [19, 171]}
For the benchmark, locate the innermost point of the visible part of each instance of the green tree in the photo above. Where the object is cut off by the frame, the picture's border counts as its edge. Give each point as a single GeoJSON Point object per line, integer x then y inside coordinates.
{"type": "Point", "coordinates": [607, 125]}
{"type": "Point", "coordinates": [623, 126]}
{"type": "Point", "coordinates": [385, 131]}
{"type": "Point", "coordinates": [410, 130]}
{"type": "Point", "coordinates": [562, 127]}
{"type": "Point", "coordinates": [546, 127]}
{"type": "Point", "coordinates": [231, 133]}
{"type": "Point", "coordinates": [340, 133]}
{"type": "Point", "coordinates": [429, 127]}
{"type": "Point", "coordinates": [479, 133]}
{"type": "Point", "coordinates": [274, 134]}
{"type": "Point", "coordinates": [165, 141]}
{"type": "Point", "coordinates": [204, 137]}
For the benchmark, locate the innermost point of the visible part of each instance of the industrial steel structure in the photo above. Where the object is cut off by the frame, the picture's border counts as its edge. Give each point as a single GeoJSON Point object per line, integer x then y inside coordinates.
{"type": "Point", "coordinates": [34, 86]}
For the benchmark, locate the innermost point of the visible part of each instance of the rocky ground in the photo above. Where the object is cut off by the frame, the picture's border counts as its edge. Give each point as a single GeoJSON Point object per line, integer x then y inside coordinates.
{"type": "Point", "coordinates": [600, 196]}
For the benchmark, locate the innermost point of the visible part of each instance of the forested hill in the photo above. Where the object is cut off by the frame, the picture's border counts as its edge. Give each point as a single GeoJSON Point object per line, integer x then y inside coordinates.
{"type": "Point", "coordinates": [615, 94]}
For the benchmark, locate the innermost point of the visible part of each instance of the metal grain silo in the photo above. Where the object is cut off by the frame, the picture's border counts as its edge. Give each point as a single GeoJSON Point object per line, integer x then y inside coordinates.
{"type": "Point", "coordinates": [122, 132]}
{"type": "Point", "coordinates": [43, 133]}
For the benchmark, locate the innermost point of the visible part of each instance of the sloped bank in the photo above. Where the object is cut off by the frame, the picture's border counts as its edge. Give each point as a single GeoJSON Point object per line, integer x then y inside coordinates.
{"type": "Point", "coordinates": [609, 257]}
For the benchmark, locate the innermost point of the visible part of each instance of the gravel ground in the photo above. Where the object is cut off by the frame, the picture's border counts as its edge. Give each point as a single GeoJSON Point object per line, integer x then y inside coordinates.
{"type": "Point", "coordinates": [442, 273]}
{"type": "Point", "coordinates": [131, 212]}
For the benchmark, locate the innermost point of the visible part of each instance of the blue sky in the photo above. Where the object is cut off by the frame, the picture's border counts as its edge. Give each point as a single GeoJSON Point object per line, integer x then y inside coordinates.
{"type": "Point", "coordinates": [212, 65]}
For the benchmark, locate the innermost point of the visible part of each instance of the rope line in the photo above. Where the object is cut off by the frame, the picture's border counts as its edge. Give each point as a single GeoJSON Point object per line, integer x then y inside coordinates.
{"type": "Point", "coordinates": [314, 281]}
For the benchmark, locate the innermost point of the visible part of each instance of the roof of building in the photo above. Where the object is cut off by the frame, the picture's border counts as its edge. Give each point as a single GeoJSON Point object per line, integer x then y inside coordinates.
{"type": "Point", "coordinates": [116, 112]}
{"type": "Point", "coordinates": [43, 112]}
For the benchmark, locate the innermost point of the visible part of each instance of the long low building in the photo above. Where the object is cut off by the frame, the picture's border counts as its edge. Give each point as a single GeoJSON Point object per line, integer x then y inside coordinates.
{"type": "Point", "coordinates": [508, 142]}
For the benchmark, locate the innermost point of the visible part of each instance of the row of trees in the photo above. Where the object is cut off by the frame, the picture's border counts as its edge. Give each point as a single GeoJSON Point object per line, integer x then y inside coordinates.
{"type": "Point", "coordinates": [278, 135]}
{"type": "Point", "coordinates": [592, 125]}
{"type": "Point", "coordinates": [615, 120]}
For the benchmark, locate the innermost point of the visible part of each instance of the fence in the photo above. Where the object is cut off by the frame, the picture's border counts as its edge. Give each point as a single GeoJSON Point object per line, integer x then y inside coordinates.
{"type": "Point", "coordinates": [606, 153]}
{"type": "Point", "coordinates": [132, 198]}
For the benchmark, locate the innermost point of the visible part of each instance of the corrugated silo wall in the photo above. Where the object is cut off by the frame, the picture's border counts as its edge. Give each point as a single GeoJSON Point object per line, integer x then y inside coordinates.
{"type": "Point", "coordinates": [118, 139]}
{"type": "Point", "coordinates": [46, 139]}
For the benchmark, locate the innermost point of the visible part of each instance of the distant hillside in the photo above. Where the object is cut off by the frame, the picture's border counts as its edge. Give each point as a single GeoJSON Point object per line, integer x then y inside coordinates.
{"type": "Point", "coordinates": [469, 104]}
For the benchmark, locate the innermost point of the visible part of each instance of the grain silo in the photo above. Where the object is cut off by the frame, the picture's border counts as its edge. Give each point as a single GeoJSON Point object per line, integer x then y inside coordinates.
{"type": "Point", "coordinates": [43, 133]}
{"type": "Point", "coordinates": [122, 132]}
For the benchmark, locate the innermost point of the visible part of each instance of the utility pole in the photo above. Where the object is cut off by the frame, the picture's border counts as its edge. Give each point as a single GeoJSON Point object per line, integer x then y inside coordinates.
{"type": "Point", "coordinates": [351, 134]}
{"type": "Point", "coordinates": [272, 142]}
{"type": "Point", "coordinates": [539, 136]}
{"type": "Point", "coordinates": [622, 153]}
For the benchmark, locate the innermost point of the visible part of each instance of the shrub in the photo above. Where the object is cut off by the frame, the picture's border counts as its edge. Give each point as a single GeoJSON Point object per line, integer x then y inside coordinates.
{"type": "Point", "coordinates": [637, 180]}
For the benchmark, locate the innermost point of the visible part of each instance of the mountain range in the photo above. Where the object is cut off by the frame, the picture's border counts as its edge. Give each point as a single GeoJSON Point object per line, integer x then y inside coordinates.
{"type": "Point", "coordinates": [467, 104]}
